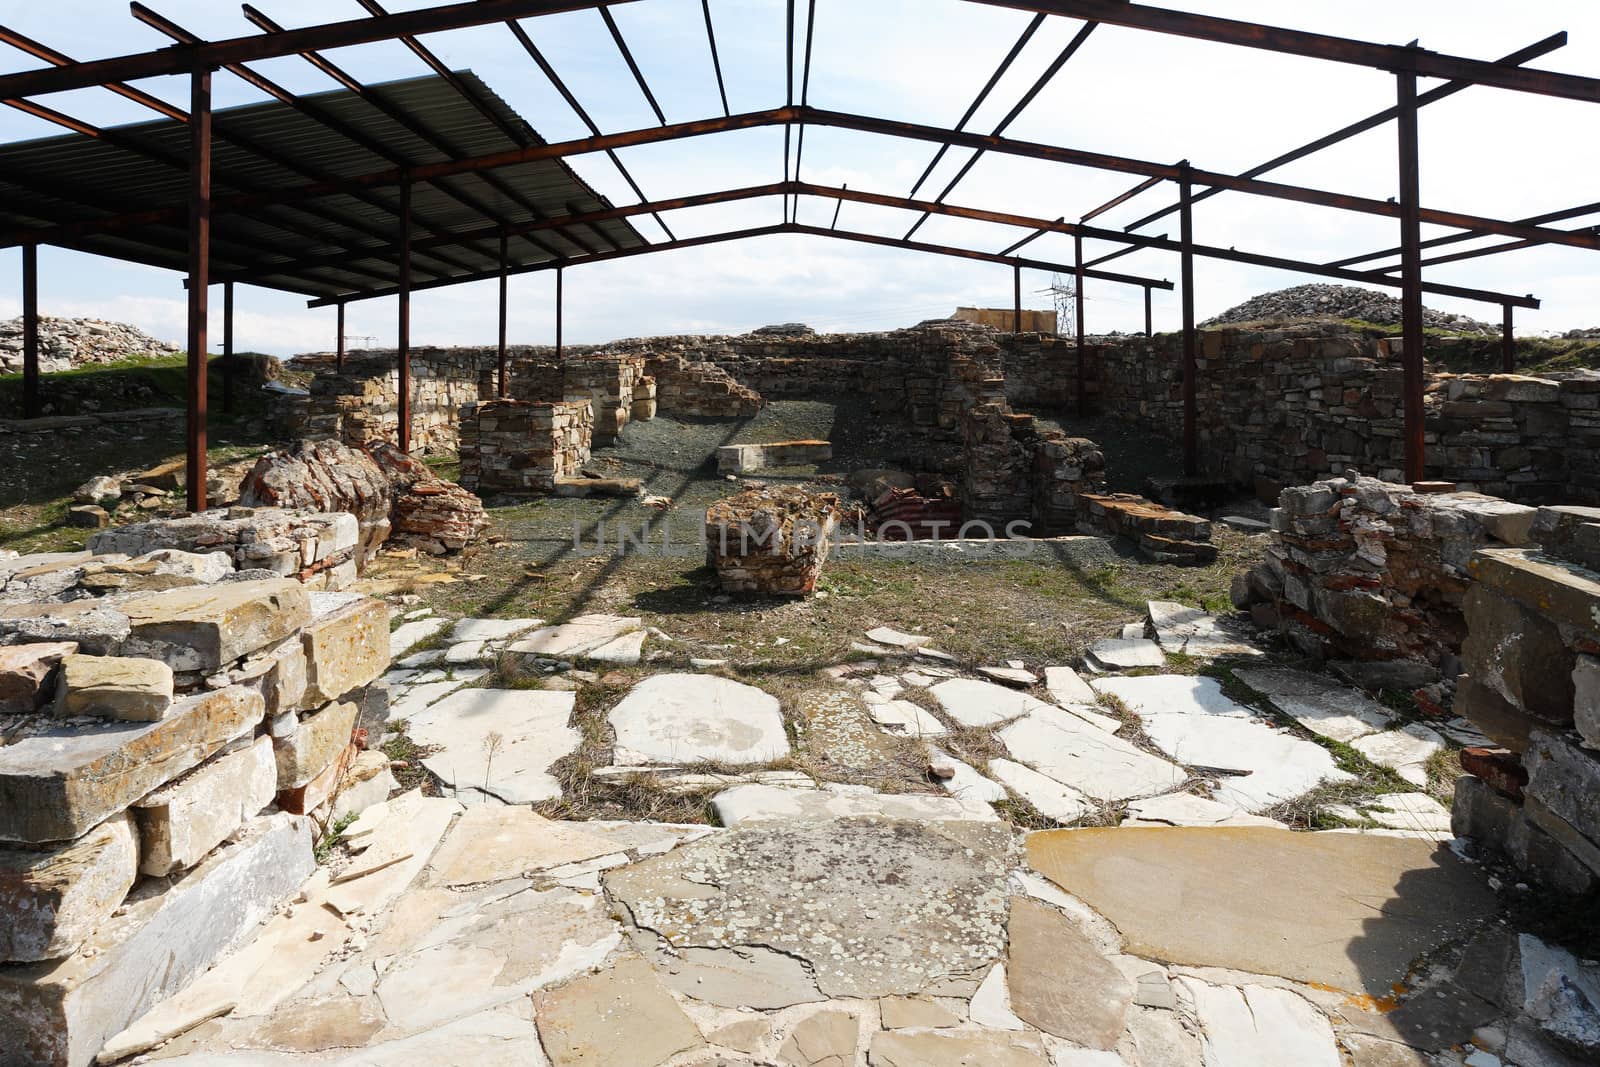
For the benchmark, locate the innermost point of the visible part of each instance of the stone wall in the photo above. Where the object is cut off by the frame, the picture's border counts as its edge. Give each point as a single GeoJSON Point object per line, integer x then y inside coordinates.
{"type": "Point", "coordinates": [1287, 406]}
{"type": "Point", "coordinates": [517, 446]}
{"type": "Point", "coordinates": [164, 747]}
{"type": "Point", "coordinates": [1532, 683]}
{"type": "Point", "coordinates": [361, 402]}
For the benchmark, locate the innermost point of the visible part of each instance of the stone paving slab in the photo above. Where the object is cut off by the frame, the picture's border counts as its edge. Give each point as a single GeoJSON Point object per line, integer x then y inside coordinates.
{"type": "Point", "coordinates": [498, 743]}
{"type": "Point", "coordinates": [1343, 910]}
{"type": "Point", "coordinates": [975, 703]}
{"type": "Point", "coordinates": [695, 718]}
{"type": "Point", "coordinates": [746, 804]}
{"type": "Point", "coordinates": [1088, 759]}
{"type": "Point", "coordinates": [1319, 703]}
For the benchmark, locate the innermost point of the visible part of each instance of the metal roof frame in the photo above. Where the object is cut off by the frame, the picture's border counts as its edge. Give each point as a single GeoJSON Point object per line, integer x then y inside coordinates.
{"type": "Point", "coordinates": [430, 239]}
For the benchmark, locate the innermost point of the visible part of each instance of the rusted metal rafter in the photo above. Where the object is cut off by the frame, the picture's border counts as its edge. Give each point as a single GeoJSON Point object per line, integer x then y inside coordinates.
{"type": "Point", "coordinates": [627, 57]}
{"type": "Point", "coordinates": [1372, 122]}
{"type": "Point", "coordinates": [1470, 235]}
{"type": "Point", "coordinates": [199, 285]}
{"type": "Point", "coordinates": [716, 58]}
{"type": "Point", "coordinates": [1028, 97]}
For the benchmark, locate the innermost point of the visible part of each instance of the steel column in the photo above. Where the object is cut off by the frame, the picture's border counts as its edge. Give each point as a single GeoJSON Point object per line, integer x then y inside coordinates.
{"type": "Point", "coordinates": [1508, 342]}
{"type": "Point", "coordinates": [560, 311]}
{"type": "Point", "coordinates": [500, 381]}
{"type": "Point", "coordinates": [1016, 318]}
{"type": "Point", "coordinates": [338, 351]}
{"type": "Point", "coordinates": [227, 348]}
{"type": "Point", "coordinates": [1083, 385]}
{"type": "Point", "coordinates": [199, 282]}
{"type": "Point", "coordinates": [404, 411]}
{"type": "Point", "coordinates": [30, 331]}
{"type": "Point", "coordinates": [1411, 279]}
{"type": "Point", "coordinates": [1148, 323]}
{"type": "Point", "coordinates": [1191, 429]}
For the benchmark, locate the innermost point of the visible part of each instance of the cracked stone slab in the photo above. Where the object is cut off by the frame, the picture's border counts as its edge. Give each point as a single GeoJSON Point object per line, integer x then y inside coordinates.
{"type": "Point", "coordinates": [976, 704]}
{"type": "Point", "coordinates": [1125, 653]}
{"type": "Point", "coordinates": [746, 804]}
{"type": "Point", "coordinates": [1186, 809]}
{"type": "Point", "coordinates": [621, 1017]}
{"type": "Point", "coordinates": [491, 844]}
{"type": "Point", "coordinates": [873, 907]}
{"type": "Point", "coordinates": [581, 635]}
{"type": "Point", "coordinates": [498, 743]}
{"type": "Point", "coordinates": [1059, 982]}
{"type": "Point", "coordinates": [1066, 687]}
{"type": "Point", "coordinates": [838, 728]}
{"type": "Point", "coordinates": [491, 629]}
{"type": "Point", "coordinates": [695, 718]}
{"type": "Point", "coordinates": [966, 1048]}
{"type": "Point", "coordinates": [1086, 758]}
{"type": "Point", "coordinates": [1194, 632]}
{"type": "Point", "coordinates": [966, 784]}
{"type": "Point", "coordinates": [907, 719]}
{"type": "Point", "coordinates": [1349, 911]}
{"type": "Point", "coordinates": [1405, 751]}
{"type": "Point", "coordinates": [1258, 1024]}
{"type": "Point", "coordinates": [1048, 796]}
{"type": "Point", "coordinates": [1320, 704]}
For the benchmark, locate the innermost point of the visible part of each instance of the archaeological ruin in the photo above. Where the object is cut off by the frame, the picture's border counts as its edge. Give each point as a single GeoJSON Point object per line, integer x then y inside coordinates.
{"type": "Point", "coordinates": [993, 689]}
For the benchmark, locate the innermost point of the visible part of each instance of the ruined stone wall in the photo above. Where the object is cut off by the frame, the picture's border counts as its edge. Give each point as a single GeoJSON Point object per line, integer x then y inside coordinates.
{"type": "Point", "coordinates": [1288, 406]}
{"type": "Point", "coordinates": [361, 403]}
{"type": "Point", "coordinates": [516, 446]}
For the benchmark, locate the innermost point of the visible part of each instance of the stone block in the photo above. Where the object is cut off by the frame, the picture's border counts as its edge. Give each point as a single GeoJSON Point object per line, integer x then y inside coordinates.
{"type": "Point", "coordinates": [1586, 699]}
{"type": "Point", "coordinates": [307, 798]}
{"type": "Point", "coordinates": [114, 687]}
{"type": "Point", "coordinates": [53, 900]}
{"type": "Point", "coordinates": [60, 1013]}
{"type": "Point", "coordinates": [1566, 780]}
{"type": "Point", "coordinates": [1564, 593]}
{"type": "Point", "coordinates": [373, 700]}
{"type": "Point", "coordinates": [88, 516]}
{"type": "Point", "coordinates": [315, 743]}
{"type": "Point", "coordinates": [1518, 652]}
{"type": "Point", "coordinates": [346, 645]}
{"type": "Point", "coordinates": [184, 820]}
{"type": "Point", "coordinates": [27, 674]}
{"type": "Point", "coordinates": [1490, 712]}
{"type": "Point", "coordinates": [201, 628]}
{"type": "Point", "coordinates": [57, 780]}
{"type": "Point", "coordinates": [94, 626]}
{"type": "Point", "coordinates": [278, 674]}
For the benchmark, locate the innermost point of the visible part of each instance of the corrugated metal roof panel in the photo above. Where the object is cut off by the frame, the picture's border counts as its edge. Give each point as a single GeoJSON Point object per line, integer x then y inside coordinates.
{"type": "Point", "coordinates": [274, 146]}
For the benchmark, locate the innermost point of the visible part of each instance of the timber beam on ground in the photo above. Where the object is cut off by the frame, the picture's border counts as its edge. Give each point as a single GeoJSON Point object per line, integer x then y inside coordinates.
{"type": "Point", "coordinates": [891, 128]}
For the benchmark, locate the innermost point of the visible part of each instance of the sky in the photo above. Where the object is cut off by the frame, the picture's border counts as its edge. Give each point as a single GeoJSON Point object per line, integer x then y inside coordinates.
{"type": "Point", "coordinates": [1484, 151]}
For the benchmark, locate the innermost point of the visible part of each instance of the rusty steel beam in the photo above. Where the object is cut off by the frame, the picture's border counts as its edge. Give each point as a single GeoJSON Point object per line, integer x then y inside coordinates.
{"type": "Point", "coordinates": [38, 50]}
{"type": "Point", "coordinates": [1411, 320]}
{"type": "Point", "coordinates": [1119, 200]}
{"type": "Point", "coordinates": [1149, 322]}
{"type": "Point", "coordinates": [1457, 238]}
{"type": "Point", "coordinates": [162, 24]}
{"type": "Point", "coordinates": [403, 325]}
{"type": "Point", "coordinates": [627, 57]}
{"type": "Point", "coordinates": [1508, 341]}
{"type": "Point", "coordinates": [1191, 343]}
{"type": "Point", "coordinates": [30, 331]}
{"type": "Point", "coordinates": [1078, 323]}
{"type": "Point", "coordinates": [227, 348]}
{"type": "Point", "coordinates": [1322, 46]}
{"type": "Point", "coordinates": [805, 96]}
{"type": "Point", "coordinates": [561, 313]}
{"type": "Point", "coordinates": [571, 98]}
{"type": "Point", "coordinates": [422, 130]}
{"type": "Point", "coordinates": [216, 54]}
{"type": "Point", "coordinates": [500, 361]}
{"type": "Point", "coordinates": [1016, 318]}
{"type": "Point", "coordinates": [983, 94]}
{"type": "Point", "coordinates": [199, 284]}
{"type": "Point", "coordinates": [716, 59]}
{"type": "Point", "coordinates": [1372, 122]}
{"type": "Point", "coordinates": [1028, 97]}
{"type": "Point", "coordinates": [1032, 237]}
{"type": "Point", "coordinates": [338, 348]}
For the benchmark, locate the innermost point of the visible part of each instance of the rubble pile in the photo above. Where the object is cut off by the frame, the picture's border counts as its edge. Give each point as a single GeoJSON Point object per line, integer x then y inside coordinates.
{"type": "Point", "coordinates": [514, 446]}
{"type": "Point", "coordinates": [325, 476]}
{"type": "Point", "coordinates": [1360, 569]}
{"type": "Point", "coordinates": [1532, 683]}
{"type": "Point", "coordinates": [1318, 301]}
{"type": "Point", "coordinates": [771, 541]}
{"type": "Point", "coordinates": [68, 343]}
{"type": "Point", "coordinates": [318, 549]}
{"type": "Point", "coordinates": [163, 750]}
{"type": "Point", "coordinates": [1163, 535]}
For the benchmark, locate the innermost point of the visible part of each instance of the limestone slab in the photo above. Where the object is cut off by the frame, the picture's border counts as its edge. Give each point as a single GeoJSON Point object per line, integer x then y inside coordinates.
{"type": "Point", "coordinates": [27, 674]}
{"type": "Point", "coordinates": [621, 1017]}
{"type": "Point", "coordinates": [1048, 796]}
{"type": "Point", "coordinates": [624, 651]}
{"type": "Point", "coordinates": [1319, 703]}
{"type": "Point", "coordinates": [113, 687]}
{"type": "Point", "coordinates": [1066, 687]}
{"type": "Point", "coordinates": [1086, 758]}
{"type": "Point", "coordinates": [490, 844]}
{"type": "Point", "coordinates": [893, 638]}
{"type": "Point", "coordinates": [1195, 632]}
{"type": "Point", "coordinates": [966, 784]}
{"type": "Point", "coordinates": [202, 627]}
{"type": "Point", "coordinates": [1344, 910]}
{"type": "Point", "coordinates": [1010, 675]}
{"type": "Point", "coordinates": [317, 741]}
{"type": "Point", "coordinates": [745, 976]}
{"type": "Point", "coordinates": [1123, 654]}
{"type": "Point", "coordinates": [849, 897]}
{"type": "Point", "coordinates": [1258, 1024]}
{"type": "Point", "coordinates": [1186, 809]}
{"type": "Point", "coordinates": [915, 1013]}
{"type": "Point", "coordinates": [900, 1048]}
{"type": "Point", "coordinates": [908, 719]}
{"type": "Point", "coordinates": [54, 900]}
{"type": "Point", "coordinates": [58, 1014]}
{"type": "Point", "coordinates": [1405, 751]}
{"type": "Point", "coordinates": [499, 743]}
{"type": "Point", "coordinates": [747, 804]}
{"type": "Point", "coordinates": [346, 645]}
{"type": "Point", "coordinates": [180, 823]}
{"type": "Point", "coordinates": [1059, 982]}
{"type": "Point", "coordinates": [59, 780]}
{"type": "Point", "coordinates": [693, 718]}
{"type": "Point", "coordinates": [408, 635]}
{"type": "Point", "coordinates": [491, 629]}
{"type": "Point", "coordinates": [976, 704]}
{"type": "Point", "coordinates": [826, 1039]}
{"type": "Point", "coordinates": [583, 634]}
{"type": "Point", "coordinates": [1172, 694]}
